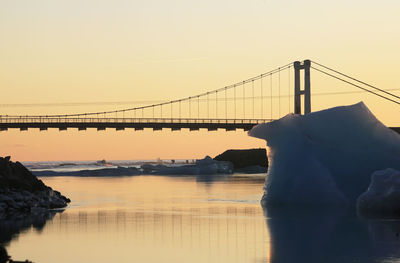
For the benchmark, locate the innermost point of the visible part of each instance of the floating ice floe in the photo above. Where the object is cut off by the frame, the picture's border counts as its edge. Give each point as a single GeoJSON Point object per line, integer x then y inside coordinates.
{"type": "Point", "coordinates": [383, 195]}
{"type": "Point", "coordinates": [206, 166]}
{"type": "Point", "coordinates": [325, 157]}
{"type": "Point", "coordinates": [105, 172]}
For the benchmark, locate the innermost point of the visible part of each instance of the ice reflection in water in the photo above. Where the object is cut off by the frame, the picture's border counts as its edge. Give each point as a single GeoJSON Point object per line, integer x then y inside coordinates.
{"type": "Point", "coordinates": [175, 219]}
{"type": "Point", "coordinates": [330, 235]}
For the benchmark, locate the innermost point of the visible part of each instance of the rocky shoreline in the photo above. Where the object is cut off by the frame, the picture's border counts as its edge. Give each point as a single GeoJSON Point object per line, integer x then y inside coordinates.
{"type": "Point", "coordinates": [22, 193]}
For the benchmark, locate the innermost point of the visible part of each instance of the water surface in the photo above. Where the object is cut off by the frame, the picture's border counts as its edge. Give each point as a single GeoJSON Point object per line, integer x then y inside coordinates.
{"type": "Point", "coordinates": [189, 219]}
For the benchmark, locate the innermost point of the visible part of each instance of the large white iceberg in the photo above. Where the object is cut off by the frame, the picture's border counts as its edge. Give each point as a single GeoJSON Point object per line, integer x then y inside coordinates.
{"type": "Point", "coordinates": [325, 157]}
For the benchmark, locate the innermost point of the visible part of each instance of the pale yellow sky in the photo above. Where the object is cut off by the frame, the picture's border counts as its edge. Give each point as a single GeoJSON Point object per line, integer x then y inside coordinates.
{"type": "Point", "coordinates": [105, 51]}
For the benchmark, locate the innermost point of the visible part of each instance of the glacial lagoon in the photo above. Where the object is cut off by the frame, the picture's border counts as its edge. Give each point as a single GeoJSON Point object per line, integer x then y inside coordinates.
{"type": "Point", "coordinates": [195, 219]}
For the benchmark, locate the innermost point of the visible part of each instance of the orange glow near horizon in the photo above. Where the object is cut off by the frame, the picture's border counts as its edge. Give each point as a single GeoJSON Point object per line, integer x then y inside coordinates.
{"type": "Point", "coordinates": [54, 145]}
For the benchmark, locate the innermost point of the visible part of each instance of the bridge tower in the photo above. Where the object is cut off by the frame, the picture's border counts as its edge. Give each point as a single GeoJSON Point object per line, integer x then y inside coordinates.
{"type": "Point", "coordinates": [306, 91]}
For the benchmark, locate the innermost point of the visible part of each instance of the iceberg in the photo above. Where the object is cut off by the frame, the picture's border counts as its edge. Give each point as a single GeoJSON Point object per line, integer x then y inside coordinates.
{"type": "Point", "coordinates": [325, 157]}
{"type": "Point", "coordinates": [382, 197]}
{"type": "Point", "coordinates": [206, 166]}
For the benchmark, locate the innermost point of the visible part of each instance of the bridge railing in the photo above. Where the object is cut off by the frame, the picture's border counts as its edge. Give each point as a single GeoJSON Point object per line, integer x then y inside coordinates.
{"type": "Point", "coordinates": [127, 120]}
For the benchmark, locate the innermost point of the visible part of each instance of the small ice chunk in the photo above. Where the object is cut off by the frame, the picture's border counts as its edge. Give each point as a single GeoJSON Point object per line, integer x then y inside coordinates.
{"type": "Point", "coordinates": [383, 195]}
{"type": "Point", "coordinates": [206, 166]}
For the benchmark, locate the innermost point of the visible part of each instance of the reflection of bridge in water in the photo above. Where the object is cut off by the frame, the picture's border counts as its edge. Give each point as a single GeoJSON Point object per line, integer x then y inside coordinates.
{"type": "Point", "coordinates": [242, 105]}
{"type": "Point", "coordinates": [197, 234]}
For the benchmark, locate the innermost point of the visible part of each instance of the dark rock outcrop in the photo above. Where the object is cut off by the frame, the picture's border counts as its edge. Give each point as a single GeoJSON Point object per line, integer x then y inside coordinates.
{"type": "Point", "coordinates": [16, 176]}
{"type": "Point", "coordinates": [22, 192]}
{"type": "Point", "coordinates": [245, 158]}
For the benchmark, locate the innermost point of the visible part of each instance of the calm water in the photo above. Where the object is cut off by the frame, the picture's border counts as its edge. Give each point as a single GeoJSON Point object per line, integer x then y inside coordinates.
{"type": "Point", "coordinates": [188, 219]}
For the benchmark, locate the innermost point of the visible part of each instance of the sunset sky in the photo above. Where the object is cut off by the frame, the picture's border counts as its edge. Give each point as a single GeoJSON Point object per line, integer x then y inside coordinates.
{"type": "Point", "coordinates": [83, 51]}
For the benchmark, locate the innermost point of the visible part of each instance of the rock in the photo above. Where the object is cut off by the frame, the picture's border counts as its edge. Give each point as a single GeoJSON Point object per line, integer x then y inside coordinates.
{"type": "Point", "coordinates": [245, 158]}
{"type": "Point", "coordinates": [16, 176]}
{"type": "Point", "coordinates": [17, 196]}
{"type": "Point", "coordinates": [5, 198]}
{"type": "Point", "coordinates": [4, 257]}
{"type": "Point", "coordinates": [3, 205]}
{"type": "Point", "coordinates": [22, 192]}
{"type": "Point", "coordinates": [382, 198]}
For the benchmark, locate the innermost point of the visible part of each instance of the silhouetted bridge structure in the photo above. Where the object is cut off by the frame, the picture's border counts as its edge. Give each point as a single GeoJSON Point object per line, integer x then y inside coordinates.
{"type": "Point", "coordinates": [123, 123]}
{"type": "Point", "coordinates": [242, 105]}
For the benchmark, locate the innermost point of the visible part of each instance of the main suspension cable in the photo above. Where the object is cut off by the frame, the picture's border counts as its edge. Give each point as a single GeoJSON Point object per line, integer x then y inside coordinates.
{"type": "Point", "coordinates": [161, 103]}
{"type": "Point", "coordinates": [357, 80]}
{"type": "Point", "coordinates": [355, 85]}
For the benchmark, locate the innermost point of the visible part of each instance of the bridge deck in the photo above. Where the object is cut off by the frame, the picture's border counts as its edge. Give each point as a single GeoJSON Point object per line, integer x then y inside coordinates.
{"type": "Point", "coordinates": [123, 123]}
{"type": "Point", "coordinates": [135, 123]}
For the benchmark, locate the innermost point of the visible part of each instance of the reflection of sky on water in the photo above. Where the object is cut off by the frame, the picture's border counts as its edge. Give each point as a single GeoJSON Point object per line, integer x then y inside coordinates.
{"type": "Point", "coordinates": [172, 219]}
{"type": "Point", "coordinates": [215, 234]}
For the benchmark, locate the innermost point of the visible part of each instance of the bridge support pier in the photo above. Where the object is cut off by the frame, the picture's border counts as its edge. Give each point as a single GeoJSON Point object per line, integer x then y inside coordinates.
{"type": "Point", "coordinates": [307, 89]}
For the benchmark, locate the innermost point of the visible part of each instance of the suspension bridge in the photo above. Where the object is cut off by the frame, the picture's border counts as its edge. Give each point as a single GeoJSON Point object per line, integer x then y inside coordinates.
{"type": "Point", "coordinates": [242, 105]}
